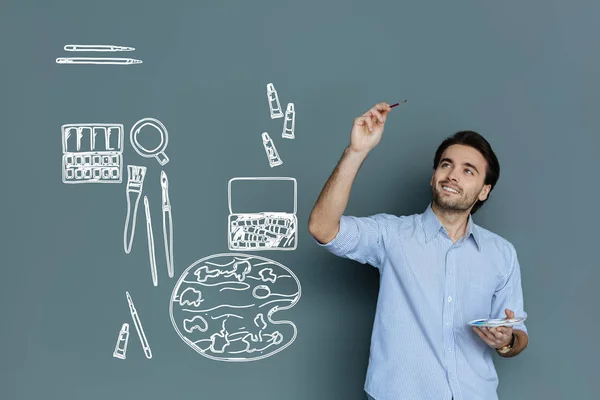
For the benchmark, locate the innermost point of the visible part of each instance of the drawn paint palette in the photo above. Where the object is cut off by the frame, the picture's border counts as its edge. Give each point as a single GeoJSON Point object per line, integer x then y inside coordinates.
{"type": "Point", "coordinates": [227, 307]}
{"type": "Point", "coordinates": [495, 322]}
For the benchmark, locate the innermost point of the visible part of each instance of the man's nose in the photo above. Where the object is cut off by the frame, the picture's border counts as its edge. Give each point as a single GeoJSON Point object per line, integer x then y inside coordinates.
{"type": "Point", "coordinates": [452, 176]}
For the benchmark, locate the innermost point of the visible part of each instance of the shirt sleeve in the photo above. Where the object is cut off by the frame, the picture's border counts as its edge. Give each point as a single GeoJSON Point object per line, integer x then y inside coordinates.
{"type": "Point", "coordinates": [360, 239]}
{"type": "Point", "coordinates": [510, 293]}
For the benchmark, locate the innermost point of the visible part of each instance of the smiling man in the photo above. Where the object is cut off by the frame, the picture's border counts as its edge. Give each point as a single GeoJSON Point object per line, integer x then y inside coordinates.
{"type": "Point", "coordinates": [438, 271]}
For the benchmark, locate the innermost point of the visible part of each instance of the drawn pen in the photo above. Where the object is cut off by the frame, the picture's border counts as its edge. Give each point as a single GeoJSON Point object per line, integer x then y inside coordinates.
{"type": "Point", "coordinates": [96, 47]}
{"type": "Point", "coordinates": [91, 60]}
{"type": "Point", "coordinates": [151, 253]}
{"type": "Point", "coordinates": [397, 104]}
{"type": "Point", "coordinates": [138, 327]}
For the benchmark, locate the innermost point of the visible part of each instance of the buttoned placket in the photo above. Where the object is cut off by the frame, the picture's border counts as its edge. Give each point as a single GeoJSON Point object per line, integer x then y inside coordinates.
{"type": "Point", "coordinates": [449, 307]}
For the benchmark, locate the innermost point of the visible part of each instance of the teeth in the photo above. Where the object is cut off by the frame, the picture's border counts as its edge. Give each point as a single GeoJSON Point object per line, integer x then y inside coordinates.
{"type": "Point", "coordinates": [449, 189]}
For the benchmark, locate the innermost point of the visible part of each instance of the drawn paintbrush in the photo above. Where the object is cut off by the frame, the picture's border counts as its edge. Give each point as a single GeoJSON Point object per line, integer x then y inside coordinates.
{"type": "Point", "coordinates": [135, 182]}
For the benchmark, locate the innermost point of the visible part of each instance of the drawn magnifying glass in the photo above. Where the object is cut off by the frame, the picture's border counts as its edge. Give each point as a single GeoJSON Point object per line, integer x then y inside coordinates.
{"type": "Point", "coordinates": [159, 151]}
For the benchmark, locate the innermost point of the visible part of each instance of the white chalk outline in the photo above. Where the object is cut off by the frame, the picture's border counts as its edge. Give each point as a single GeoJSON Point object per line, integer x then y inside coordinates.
{"type": "Point", "coordinates": [246, 337]}
{"type": "Point", "coordinates": [289, 122]}
{"type": "Point", "coordinates": [159, 151]}
{"type": "Point", "coordinates": [151, 252]}
{"type": "Point", "coordinates": [133, 191]}
{"type": "Point", "coordinates": [167, 220]}
{"type": "Point", "coordinates": [270, 235]}
{"type": "Point", "coordinates": [273, 99]}
{"type": "Point", "coordinates": [97, 61]}
{"type": "Point", "coordinates": [271, 151]}
{"type": "Point", "coordinates": [97, 47]}
{"type": "Point", "coordinates": [121, 345]}
{"type": "Point", "coordinates": [138, 327]}
{"type": "Point", "coordinates": [87, 162]}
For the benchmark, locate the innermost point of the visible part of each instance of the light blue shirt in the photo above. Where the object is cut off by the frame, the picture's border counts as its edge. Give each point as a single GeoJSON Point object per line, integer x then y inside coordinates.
{"type": "Point", "coordinates": [430, 288]}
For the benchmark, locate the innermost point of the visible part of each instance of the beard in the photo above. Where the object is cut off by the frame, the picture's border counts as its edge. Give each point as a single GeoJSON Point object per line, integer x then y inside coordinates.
{"type": "Point", "coordinates": [458, 203]}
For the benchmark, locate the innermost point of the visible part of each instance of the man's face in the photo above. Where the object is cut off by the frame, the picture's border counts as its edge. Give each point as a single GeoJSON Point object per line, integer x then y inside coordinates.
{"type": "Point", "coordinates": [461, 168]}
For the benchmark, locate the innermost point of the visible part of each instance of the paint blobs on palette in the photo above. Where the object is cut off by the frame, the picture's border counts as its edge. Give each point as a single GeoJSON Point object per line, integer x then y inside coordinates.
{"type": "Point", "coordinates": [227, 306]}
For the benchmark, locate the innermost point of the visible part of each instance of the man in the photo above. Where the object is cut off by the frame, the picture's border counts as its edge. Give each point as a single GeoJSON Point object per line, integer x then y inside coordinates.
{"type": "Point", "coordinates": [438, 271]}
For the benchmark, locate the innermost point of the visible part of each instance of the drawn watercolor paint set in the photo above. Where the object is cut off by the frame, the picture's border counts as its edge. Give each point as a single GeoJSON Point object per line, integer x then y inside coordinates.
{"type": "Point", "coordinates": [262, 230]}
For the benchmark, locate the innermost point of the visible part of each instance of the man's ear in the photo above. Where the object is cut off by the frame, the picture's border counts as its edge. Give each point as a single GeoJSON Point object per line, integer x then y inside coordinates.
{"type": "Point", "coordinates": [484, 192]}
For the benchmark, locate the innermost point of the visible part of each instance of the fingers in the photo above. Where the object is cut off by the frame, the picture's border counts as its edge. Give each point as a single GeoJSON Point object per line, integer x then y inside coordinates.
{"type": "Point", "coordinates": [494, 337]}
{"type": "Point", "coordinates": [483, 336]}
{"type": "Point", "coordinates": [496, 333]}
{"type": "Point", "coordinates": [374, 116]}
{"type": "Point", "coordinates": [364, 120]}
{"type": "Point", "coordinates": [379, 111]}
{"type": "Point", "coordinates": [369, 119]}
{"type": "Point", "coordinates": [382, 107]}
{"type": "Point", "coordinates": [506, 332]}
{"type": "Point", "coordinates": [509, 313]}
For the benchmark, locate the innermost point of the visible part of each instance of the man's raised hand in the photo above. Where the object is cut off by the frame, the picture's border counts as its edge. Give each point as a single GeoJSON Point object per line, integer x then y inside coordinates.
{"type": "Point", "coordinates": [368, 128]}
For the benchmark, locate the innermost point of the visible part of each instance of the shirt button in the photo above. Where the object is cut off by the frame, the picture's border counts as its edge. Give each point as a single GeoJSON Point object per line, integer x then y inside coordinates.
{"type": "Point", "coordinates": [449, 349]}
{"type": "Point", "coordinates": [450, 375]}
{"type": "Point", "coordinates": [449, 299]}
{"type": "Point", "coordinates": [447, 323]}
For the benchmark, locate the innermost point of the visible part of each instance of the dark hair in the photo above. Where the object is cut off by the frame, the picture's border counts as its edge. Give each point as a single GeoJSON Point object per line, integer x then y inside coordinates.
{"type": "Point", "coordinates": [478, 142]}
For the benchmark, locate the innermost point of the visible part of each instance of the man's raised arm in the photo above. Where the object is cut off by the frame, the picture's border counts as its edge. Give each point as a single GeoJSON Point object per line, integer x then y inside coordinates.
{"type": "Point", "coordinates": [366, 133]}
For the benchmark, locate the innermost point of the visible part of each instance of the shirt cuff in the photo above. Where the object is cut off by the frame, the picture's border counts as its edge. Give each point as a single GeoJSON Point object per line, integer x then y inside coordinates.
{"type": "Point", "coordinates": [342, 242]}
{"type": "Point", "coordinates": [521, 326]}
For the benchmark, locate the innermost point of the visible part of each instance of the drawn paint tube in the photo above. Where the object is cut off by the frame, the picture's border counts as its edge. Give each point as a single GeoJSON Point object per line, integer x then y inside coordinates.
{"type": "Point", "coordinates": [121, 346]}
{"type": "Point", "coordinates": [260, 231]}
{"type": "Point", "coordinates": [289, 122]}
{"type": "Point", "coordinates": [84, 139]}
{"type": "Point", "coordinates": [280, 230]}
{"type": "Point", "coordinates": [99, 138]}
{"type": "Point", "coordinates": [272, 154]}
{"type": "Point", "coordinates": [113, 138]}
{"type": "Point", "coordinates": [274, 106]}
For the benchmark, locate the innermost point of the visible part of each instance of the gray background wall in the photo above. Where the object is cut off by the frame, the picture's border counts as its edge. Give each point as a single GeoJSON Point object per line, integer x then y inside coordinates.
{"type": "Point", "coordinates": [524, 74]}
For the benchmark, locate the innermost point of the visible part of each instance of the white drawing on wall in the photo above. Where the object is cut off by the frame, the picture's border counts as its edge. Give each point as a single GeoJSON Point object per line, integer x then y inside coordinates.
{"type": "Point", "coordinates": [151, 253]}
{"type": "Point", "coordinates": [121, 346]}
{"type": "Point", "coordinates": [271, 150]}
{"type": "Point", "coordinates": [289, 122]}
{"type": "Point", "coordinates": [97, 60]}
{"type": "Point", "coordinates": [133, 192]}
{"type": "Point", "coordinates": [97, 47]}
{"type": "Point", "coordinates": [273, 99]}
{"type": "Point", "coordinates": [138, 327]}
{"type": "Point", "coordinates": [224, 307]}
{"type": "Point", "coordinates": [167, 223]}
{"type": "Point", "coordinates": [262, 230]}
{"type": "Point", "coordinates": [92, 153]}
{"type": "Point", "coordinates": [159, 151]}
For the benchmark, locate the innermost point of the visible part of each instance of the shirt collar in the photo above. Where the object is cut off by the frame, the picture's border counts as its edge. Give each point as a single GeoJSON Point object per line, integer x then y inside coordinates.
{"type": "Point", "coordinates": [432, 226]}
